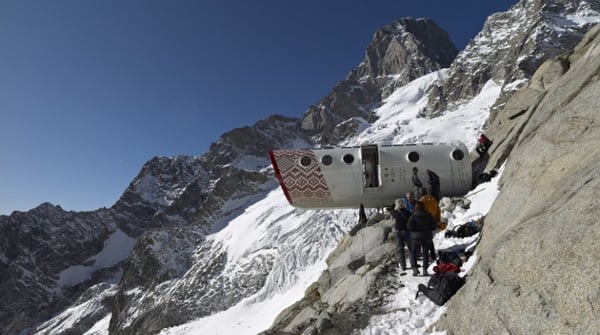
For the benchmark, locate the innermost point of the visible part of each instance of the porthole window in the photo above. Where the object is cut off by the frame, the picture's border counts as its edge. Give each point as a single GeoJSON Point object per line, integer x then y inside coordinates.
{"type": "Point", "coordinates": [326, 160]}
{"type": "Point", "coordinates": [458, 155]}
{"type": "Point", "coordinates": [413, 156]}
{"type": "Point", "coordinates": [348, 158]}
{"type": "Point", "coordinates": [305, 161]}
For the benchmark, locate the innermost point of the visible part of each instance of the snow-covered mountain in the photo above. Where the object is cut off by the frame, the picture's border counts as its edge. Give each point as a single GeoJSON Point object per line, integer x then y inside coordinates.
{"type": "Point", "coordinates": [399, 53]}
{"type": "Point", "coordinates": [209, 245]}
{"type": "Point", "coordinates": [511, 46]}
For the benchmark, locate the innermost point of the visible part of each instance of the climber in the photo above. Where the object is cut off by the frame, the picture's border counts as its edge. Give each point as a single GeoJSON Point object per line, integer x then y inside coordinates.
{"type": "Point", "coordinates": [484, 145]}
{"type": "Point", "coordinates": [421, 225]}
{"type": "Point", "coordinates": [432, 206]}
{"type": "Point", "coordinates": [434, 184]}
{"type": "Point", "coordinates": [409, 201]}
{"type": "Point", "coordinates": [401, 216]}
{"type": "Point", "coordinates": [416, 183]}
{"type": "Point", "coordinates": [362, 216]}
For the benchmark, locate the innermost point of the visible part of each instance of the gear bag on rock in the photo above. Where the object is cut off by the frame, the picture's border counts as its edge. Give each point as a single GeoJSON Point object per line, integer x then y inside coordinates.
{"type": "Point", "coordinates": [465, 230]}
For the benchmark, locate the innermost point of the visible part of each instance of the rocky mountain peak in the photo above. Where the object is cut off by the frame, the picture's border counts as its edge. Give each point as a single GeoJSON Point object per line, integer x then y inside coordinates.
{"type": "Point", "coordinates": [162, 179]}
{"type": "Point", "coordinates": [394, 47]}
{"type": "Point", "coordinates": [399, 53]}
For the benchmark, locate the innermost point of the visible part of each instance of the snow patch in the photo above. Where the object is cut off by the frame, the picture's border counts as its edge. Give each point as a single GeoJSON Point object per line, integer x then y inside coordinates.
{"type": "Point", "coordinates": [116, 249]}
{"type": "Point", "coordinates": [100, 327]}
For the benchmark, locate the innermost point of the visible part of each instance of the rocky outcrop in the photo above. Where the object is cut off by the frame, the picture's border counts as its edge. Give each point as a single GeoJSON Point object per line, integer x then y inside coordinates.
{"type": "Point", "coordinates": [511, 46]}
{"type": "Point", "coordinates": [536, 272]}
{"type": "Point", "coordinates": [273, 132]}
{"type": "Point", "coordinates": [357, 283]}
{"type": "Point", "coordinates": [399, 53]}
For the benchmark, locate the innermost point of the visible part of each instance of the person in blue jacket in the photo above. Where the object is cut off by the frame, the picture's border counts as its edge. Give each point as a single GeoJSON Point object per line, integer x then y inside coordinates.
{"type": "Point", "coordinates": [408, 200]}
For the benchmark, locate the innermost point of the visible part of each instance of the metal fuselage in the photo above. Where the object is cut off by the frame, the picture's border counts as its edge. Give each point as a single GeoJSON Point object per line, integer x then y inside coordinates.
{"type": "Point", "coordinates": [373, 175]}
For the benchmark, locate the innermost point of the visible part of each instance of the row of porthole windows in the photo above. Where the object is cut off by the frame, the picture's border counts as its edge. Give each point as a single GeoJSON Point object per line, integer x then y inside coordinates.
{"type": "Point", "coordinates": [412, 156]}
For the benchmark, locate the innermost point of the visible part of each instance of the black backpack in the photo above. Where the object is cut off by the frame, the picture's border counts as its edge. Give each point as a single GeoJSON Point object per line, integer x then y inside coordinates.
{"type": "Point", "coordinates": [465, 230]}
{"type": "Point", "coordinates": [441, 287]}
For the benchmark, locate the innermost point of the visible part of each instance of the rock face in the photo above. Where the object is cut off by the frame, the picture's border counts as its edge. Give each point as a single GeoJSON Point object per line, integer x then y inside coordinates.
{"type": "Point", "coordinates": [399, 53]}
{"type": "Point", "coordinates": [512, 45]}
{"type": "Point", "coordinates": [536, 272]}
{"type": "Point", "coordinates": [408, 49]}
{"type": "Point", "coordinates": [47, 257]}
{"type": "Point", "coordinates": [34, 248]}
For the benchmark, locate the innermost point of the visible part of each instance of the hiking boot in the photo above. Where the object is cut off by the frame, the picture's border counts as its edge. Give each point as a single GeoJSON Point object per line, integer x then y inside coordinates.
{"type": "Point", "coordinates": [425, 273]}
{"type": "Point", "coordinates": [415, 272]}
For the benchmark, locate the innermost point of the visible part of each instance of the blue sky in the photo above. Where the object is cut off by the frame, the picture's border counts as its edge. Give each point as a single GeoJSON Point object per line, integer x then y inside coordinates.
{"type": "Point", "coordinates": [91, 90]}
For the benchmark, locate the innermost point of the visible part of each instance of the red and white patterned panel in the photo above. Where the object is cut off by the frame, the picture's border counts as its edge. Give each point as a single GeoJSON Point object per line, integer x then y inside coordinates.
{"type": "Point", "coordinates": [303, 185]}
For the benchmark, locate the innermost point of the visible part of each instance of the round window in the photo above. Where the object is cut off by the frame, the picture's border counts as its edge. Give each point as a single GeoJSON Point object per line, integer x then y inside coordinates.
{"type": "Point", "coordinates": [326, 160]}
{"type": "Point", "coordinates": [305, 161]}
{"type": "Point", "coordinates": [413, 156]}
{"type": "Point", "coordinates": [348, 158]}
{"type": "Point", "coordinates": [458, 155]}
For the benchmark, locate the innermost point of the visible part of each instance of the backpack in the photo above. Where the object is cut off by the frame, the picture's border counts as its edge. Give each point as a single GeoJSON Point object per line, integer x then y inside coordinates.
{"type": "Point", "coordinates": [468, 229]}
{"type": "Point", "coordinates": [446, 267]}
{"type": "Point", "coordinates": [441, 287]}
{"type": "Point", "coordinates": [450, 257]}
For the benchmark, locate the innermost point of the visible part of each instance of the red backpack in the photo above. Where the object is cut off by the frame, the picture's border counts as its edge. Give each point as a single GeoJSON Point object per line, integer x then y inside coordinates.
{"type": "Point", "coordinates": [446, 267]}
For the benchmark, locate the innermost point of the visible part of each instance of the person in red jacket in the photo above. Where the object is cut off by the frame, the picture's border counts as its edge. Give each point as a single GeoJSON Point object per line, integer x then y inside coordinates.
{"type": "Point", "coordinates": [484, 145]}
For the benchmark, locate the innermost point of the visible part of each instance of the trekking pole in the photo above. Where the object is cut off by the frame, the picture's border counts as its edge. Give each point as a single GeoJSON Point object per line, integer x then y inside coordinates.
{"type": "Point", "coordinates": [474, 193]}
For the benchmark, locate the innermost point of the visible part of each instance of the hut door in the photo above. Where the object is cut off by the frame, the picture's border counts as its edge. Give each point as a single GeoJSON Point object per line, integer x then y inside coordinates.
{"type": "Point", "coordinates": [370, 165]}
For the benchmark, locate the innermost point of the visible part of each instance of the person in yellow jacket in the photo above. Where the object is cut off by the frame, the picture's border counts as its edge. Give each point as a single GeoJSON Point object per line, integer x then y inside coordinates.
{"type": "Point", "coordinates": [432, 206]}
